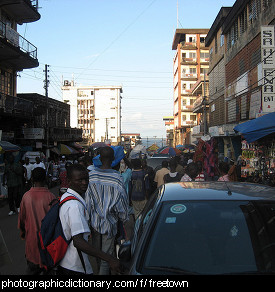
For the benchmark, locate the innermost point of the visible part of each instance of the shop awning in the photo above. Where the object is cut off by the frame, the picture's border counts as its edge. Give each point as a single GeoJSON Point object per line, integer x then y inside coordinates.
{"type": "Point", "coordinates": [257, 128]}
{"type": "Point", "coordinates": [8, 147]}
{"type": "Point", "coordinates": [67, 150]}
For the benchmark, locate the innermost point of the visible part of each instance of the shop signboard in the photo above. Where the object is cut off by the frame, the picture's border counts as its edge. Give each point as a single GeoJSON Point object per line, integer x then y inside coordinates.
{"type": "Point", "coordinates": [34, 133]}
{"type": "Point", "coordinates": [255, 104]}
{"type": "Point", "coordinates": [268, 65]}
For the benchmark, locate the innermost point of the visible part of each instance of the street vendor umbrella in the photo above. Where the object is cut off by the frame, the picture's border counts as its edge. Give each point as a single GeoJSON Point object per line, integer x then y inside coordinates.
{"type": "Point", "coordinates": [170, 150]}
{"type": "Point", "coordinates": [67, 150]}
{"type": "Point", "coordinates": [153, 147]}
{"type": "Point", "coordinates": [137, 150]}
{"type": "Point", "coordinates": [257, 128]}
{"type": "Point", "coordinates": [8, 147]}
{"type": "Point", "coordinates": [118, 152]}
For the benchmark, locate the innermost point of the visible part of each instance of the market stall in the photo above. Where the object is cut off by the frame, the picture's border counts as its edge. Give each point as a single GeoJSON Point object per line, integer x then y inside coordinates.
{"type": "Point", "coordinates": [258, 149]}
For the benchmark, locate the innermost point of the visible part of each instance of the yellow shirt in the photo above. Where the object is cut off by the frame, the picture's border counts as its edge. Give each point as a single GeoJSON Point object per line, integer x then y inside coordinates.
{"type": "Point", "coordinates": [159, 176]}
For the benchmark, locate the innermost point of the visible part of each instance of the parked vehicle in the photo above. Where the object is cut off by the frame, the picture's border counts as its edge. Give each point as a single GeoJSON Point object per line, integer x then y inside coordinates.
{"type": "Point", "coordinates": [155, 162]}
{"type": "Point", "coordinates": [205, 228]}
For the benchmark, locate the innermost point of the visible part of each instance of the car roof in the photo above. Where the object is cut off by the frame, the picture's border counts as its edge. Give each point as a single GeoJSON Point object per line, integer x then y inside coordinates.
{"type": "Point", "coordinates": [216, 191]}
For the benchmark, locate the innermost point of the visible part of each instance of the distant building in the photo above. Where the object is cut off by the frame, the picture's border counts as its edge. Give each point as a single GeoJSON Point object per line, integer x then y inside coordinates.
{"type": "Point", "coordinates": [130, 140]}
{"type": "Point", "coordinates": [169, 125]}
{"type": "Point", "coordinates": [96, 110]}
{"type": "Point", "coordinates": [190, 62]}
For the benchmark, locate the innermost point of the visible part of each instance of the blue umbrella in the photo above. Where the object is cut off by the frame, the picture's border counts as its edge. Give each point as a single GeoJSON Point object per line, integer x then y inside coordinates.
{"type": "Point", "coordinates": [119, 155]}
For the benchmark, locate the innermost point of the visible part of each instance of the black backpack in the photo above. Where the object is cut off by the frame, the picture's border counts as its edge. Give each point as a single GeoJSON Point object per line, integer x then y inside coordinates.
{"type": "Point", "coordinates": [52, 242]}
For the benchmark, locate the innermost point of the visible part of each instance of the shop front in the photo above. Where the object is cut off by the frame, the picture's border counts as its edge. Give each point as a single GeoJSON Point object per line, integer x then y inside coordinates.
{"type": "Point", "coordinates": [258, 149]}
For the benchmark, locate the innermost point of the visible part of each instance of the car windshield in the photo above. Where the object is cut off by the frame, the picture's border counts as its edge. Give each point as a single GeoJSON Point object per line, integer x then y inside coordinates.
{"type": "Point", "coordinates": [212, 237]}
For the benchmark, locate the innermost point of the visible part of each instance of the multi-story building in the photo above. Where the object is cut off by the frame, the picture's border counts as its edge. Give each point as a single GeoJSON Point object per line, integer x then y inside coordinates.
{"type": "Point", "coordinates": [190, 62]}
{"type": "Point", "coordinates": [216, 73]}
{"type": "Point", "coordinates": [241, 71]}
{"type": "Point", "coordinates": [52, 130]}
{"type": "Point", "coordinates": [249, 59]}
{"type": "Point", "coordinates": [96, 110]}
{"type": "Point", "coordinates": [17, 54]}
{"type": "Point", "coordinates": [169, 126]}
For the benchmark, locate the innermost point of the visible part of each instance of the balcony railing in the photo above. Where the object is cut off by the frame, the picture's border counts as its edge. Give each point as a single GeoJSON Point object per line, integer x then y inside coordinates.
{"type": "Point", "coordinates": [189, 123]}
{"type": "Point", "coordinates": [15, 105]}
{"type": "Point", "coordinates": [17, 40]}
{"type": "Point", "coordinates": [192, 44]}
{"type": "Point", "coordinates": [190, 61]}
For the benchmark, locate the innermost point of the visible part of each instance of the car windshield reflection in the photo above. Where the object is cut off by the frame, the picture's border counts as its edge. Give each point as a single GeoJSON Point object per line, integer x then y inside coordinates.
{"type": "Point", "coordinates": [211, 237]}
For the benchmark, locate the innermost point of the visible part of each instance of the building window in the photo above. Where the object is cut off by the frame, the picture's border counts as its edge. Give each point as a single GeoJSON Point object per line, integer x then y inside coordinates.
{"type": "Point", "coordinates": [254, 8]}
{"type": "Point", "coordinates": [204, 55]}
{"type": "Point", "coordinates": [6, 82]}
{"type": "Point", "coordinates": [192, 55]}
{"type": "Point", "coordinates": [193, 118]}
{"type": "Point", "coordinates": [243, 21]}
{"type": "Point", "coordinates": [221, 40]}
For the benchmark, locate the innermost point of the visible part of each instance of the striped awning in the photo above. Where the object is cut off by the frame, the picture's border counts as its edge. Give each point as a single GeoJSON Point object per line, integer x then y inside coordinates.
{"type": "Point", "coordinates": [8, 147]}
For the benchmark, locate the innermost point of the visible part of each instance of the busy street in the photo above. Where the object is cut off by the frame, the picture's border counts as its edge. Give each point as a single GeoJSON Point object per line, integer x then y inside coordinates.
{"type": "Point", "coordinates": [137, 138]}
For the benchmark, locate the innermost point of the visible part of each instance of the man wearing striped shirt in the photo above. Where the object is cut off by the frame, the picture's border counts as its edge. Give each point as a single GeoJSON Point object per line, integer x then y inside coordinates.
{"type": "Point", "coordinates": [107, 202]}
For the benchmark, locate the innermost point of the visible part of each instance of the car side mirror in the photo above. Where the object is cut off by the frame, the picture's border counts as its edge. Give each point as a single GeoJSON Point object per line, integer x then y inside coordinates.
{"type": "Point", "coordinates": [124, 252]}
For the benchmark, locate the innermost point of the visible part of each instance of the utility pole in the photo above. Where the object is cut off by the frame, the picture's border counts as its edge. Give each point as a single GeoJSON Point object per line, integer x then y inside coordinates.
{"type": "Point", "coordinates": [46, 86]}
{"type": "Point", "coordinates": [106, 128]}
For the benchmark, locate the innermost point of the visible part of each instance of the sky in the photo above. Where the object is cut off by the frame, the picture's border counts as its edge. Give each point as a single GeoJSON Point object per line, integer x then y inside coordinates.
{"type": "Point", "coordinates": [115, 42]}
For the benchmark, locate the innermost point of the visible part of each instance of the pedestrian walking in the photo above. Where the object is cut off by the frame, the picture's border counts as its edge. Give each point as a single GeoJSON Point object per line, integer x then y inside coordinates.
{"type": "Point", "coordinates": [172, 175]}
{"type": "Point", "coordinates": [13, 177]}
{"type": "Point", "coordinates": [107, 202]}
{"type": "Point", "coordinates": [191, 172]}
{"type": "Point", "coordinates": [62, 164]}
{"type": "Point", "coordinates": [28, 167]}
{"type": "Point", "coordinates": [33, 208]}
{"type": "Point", "coordinates": [140, 187]}
{"type": "Point", "coordinates": [74, 220]}
{"type": "Point", "coordinates": [38, 163]}
{"type": "Point", "coordinates": [161, 173]}
{"type": "Point", "coordinates": [151, 175]}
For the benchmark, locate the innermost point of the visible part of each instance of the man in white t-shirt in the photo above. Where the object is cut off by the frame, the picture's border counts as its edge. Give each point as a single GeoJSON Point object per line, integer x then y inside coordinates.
{"type": "Point", "coordinates": [28, 167]}
{"type": "Point", "coordinates": [73, 216]}
{"type": "Point", "coordinates": [38, 163]}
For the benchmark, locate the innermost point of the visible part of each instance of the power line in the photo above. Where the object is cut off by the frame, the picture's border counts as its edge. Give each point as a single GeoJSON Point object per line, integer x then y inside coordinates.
{"type": "Point", "coordinates": [118, 37]}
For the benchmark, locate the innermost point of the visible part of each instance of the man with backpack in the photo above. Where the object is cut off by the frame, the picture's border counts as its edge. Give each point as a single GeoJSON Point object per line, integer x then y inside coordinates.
{"type": "Point", "coordinates": [33, 208]}
{"type": "Point", "coordinates": [74, 219]}
{"type": "Point", "coordinates": [140, 187]}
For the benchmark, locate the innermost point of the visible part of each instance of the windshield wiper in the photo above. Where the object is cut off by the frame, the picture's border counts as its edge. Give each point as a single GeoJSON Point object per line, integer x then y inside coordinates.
{"type": "Point", "coordinates": [176, 270]}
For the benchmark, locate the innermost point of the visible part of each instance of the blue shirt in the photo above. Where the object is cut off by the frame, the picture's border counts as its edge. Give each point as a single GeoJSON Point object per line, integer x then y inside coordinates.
{"type": "Point", "coordinates": [106, 200]}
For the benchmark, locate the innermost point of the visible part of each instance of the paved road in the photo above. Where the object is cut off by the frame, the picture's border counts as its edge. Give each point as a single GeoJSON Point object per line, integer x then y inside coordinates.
{"type": "Point", "coordinates": [13, 261]}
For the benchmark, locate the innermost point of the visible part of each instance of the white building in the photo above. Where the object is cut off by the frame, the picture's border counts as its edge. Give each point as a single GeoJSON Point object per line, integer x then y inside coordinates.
{"type": "Point", "coordinates": [96, 110]}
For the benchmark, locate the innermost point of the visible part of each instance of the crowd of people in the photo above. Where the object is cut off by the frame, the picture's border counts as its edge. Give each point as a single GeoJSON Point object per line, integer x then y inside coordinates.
{"type": "Point", "coordinates": [109, 200]}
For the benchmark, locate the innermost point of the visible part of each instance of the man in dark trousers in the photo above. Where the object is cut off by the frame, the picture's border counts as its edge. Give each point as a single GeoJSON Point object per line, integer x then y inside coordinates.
{"type": "Point", "coordinates": [33, 208]}
{"type": "Point", "coordinates": [13, 176]}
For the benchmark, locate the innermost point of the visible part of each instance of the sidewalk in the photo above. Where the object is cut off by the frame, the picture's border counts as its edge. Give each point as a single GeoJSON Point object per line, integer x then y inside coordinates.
{"type": "Point", "coordinates": [12, 261]}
